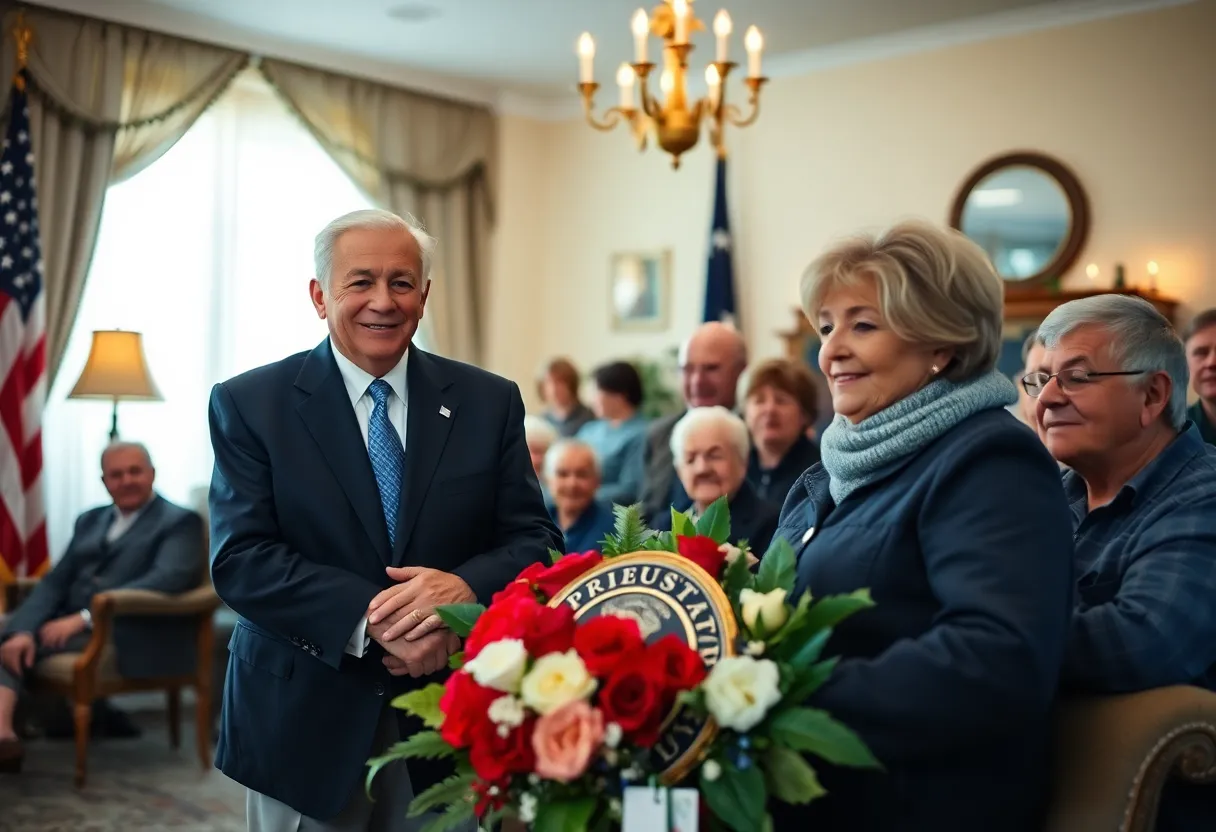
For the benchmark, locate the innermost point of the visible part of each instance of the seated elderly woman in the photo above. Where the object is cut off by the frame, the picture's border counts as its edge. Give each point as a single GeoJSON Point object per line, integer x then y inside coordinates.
{"type": "Point", "coordinates": [572, 474]}
{"type": "Point", "coordinates": [539, 435]}
{"type": "Point", "coordinates": [710, 447]}
{"type": "Point", "coordinates": [779, 408]}
{"type": "Point", "coordinates": [618, 434]}
{"type": "Point", "coordinates": [932, 495]}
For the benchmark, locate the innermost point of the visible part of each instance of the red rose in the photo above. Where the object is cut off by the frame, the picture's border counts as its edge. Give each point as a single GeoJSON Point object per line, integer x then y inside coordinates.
{"type": "Point", "coordinates": [702, 551]}
{"type": "Point", "coordinates": [606, 641]}
{"type": "Point", "coordinates": [633, 698]}
{"type": "Point", "coordinates": [677, 665]}
{"type": "Point", "coordinates": [494, 756]}
{"type": "Point", "coordinates": [487, 802]}
{"type": "Point", "coordinates": [516, 589]}
{"type": "Point", "coordinates": [551, 580]}
{"type": "Point", "coordinates": [508, 618]}
{"type": "Point", "coordinates": [549, 630]}
{"type": "Point", "coordinates": [465, 705]}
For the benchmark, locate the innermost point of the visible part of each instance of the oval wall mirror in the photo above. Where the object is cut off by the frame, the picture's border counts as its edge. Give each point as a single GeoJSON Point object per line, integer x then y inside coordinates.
{"type": "Point", "coordinates": [1028, 211]}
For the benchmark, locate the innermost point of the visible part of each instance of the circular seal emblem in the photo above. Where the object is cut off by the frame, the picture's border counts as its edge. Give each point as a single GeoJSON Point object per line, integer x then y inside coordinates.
{"type": "Point", "coordinates": [666, 594]}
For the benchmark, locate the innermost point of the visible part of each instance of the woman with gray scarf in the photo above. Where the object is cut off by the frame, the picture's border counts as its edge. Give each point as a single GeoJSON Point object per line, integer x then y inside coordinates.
{"type": "Point", "coordinates": [933, 496]}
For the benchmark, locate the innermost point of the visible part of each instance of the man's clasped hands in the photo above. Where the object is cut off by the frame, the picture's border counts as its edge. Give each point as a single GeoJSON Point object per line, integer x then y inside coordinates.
{"type": "Point", "coordinates": [402, 619]}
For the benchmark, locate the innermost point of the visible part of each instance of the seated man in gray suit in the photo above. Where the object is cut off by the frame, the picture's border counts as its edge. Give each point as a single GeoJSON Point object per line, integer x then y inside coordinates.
{"type": "Point", "coordinates": [142, 541]}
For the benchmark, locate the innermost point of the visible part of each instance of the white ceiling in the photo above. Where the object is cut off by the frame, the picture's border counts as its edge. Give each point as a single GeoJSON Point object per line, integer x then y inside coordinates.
{"type": "Point", "coordinates": [479, 49]}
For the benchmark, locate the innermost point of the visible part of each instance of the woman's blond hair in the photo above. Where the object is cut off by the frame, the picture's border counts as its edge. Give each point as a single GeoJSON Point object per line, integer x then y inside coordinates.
{"type": "Point", "coordinates": [935, 288]}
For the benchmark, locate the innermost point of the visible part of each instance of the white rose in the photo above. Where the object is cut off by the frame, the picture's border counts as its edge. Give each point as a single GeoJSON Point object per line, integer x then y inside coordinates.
{"type": "Point", "coordinates": [740, 690]}
{"type": "Point", "coordinates": [555, 680]}
{"type": "Point", "coordinates": [500, 665]}
{"type": "Point", "coordinates": [506, 712]}
{"type": "Point", "coordinates": [768, 607]}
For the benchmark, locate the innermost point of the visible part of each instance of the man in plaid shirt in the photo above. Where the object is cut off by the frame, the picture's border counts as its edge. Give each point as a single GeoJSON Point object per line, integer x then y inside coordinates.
{"type": "Point", "coordinates": [1111, 406]}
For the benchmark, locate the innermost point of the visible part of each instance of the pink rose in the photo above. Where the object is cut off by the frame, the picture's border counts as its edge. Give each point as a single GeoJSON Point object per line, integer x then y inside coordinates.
{"type": "Point", "coordinates": [565, 739]}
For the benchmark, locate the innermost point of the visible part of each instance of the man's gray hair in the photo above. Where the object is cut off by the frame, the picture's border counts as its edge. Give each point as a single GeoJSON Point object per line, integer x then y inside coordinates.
{"type": "Point", "coordinates": [538, 429]}
{"type": "Point", "coordinates": [735, 428]}
{"type": "Point", "coordinates": [554, 455]}
{"type": "Point", "coordinates": [373, 219]}
{"type": "Point", "coordinates": [1141, 339]}
{"type": "Point", "coordinates": [120, 445]}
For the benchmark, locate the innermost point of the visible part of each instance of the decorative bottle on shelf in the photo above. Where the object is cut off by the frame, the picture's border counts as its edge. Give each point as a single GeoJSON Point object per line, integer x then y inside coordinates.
{"type": "Point", "coordinates": [1120, 279]}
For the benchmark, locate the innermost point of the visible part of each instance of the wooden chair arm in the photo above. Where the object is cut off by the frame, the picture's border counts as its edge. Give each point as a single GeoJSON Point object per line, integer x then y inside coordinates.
{"type": "Point", "coordinates": [1115, 754]}
{"type": "Point", "coordinates": [200, 601]}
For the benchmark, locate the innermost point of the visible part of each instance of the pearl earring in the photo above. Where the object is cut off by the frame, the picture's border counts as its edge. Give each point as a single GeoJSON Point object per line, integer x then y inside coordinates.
{"type": "Point", "coordinates": [934, 369]}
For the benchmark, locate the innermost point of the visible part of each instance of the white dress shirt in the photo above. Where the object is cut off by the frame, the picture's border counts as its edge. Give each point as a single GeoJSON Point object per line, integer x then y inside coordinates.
{"type": "Point", "coordinates": [357, 382]}
{"type": "Point", "coordinates": [124, 520]}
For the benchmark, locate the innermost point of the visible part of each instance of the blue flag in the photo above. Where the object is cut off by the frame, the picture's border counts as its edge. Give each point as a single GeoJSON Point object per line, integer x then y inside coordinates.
{"type": "Point", "coordinates": [720, 277]}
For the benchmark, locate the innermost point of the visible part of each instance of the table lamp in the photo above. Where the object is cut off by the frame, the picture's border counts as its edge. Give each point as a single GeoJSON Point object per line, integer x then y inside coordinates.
{"type": "Point", "coordinates": [116, 370]}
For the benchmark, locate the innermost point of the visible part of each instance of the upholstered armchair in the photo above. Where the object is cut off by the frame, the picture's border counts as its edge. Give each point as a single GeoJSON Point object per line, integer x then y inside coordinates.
{"type": "Point", "coordinates": [1115, 754]}
{"type": "Point", "coordinates": [93, 674]}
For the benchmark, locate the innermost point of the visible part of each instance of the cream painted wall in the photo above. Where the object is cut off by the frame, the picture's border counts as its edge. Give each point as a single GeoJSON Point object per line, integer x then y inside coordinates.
{"type": "Point", "coordinates": [1129, 103]}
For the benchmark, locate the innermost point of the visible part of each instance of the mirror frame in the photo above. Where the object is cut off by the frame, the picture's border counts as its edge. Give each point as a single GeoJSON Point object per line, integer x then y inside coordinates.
{"type": "Point", "coordinates": [1078, 204]}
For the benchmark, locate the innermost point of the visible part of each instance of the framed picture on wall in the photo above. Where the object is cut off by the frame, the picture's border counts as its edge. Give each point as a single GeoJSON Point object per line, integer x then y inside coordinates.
{"type": "Point", "coordinates": [639, 291]}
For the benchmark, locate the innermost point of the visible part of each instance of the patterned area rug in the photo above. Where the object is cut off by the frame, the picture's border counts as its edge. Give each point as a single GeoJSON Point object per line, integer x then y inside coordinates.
{"type": "Point", "coordinates": [135, 785]}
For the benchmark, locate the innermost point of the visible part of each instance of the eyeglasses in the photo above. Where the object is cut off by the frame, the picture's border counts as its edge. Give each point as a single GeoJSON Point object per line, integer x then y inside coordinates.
{"type": "Point", "coordinates": [1070, 380]}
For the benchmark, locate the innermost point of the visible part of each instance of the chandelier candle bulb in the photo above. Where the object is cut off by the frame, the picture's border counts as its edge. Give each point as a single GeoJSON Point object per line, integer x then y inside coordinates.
{"type": "Point", "coordinates": [753, 41]}
{"type": "Point", "coordinates": [722, 28]}
{"type": "Point", "coordinates": [586, 58]}
{"type": "Point", "coordinates": [715, 86]}
{"type": "Point", "coordinates": [1153, 269]}
{"type": "Point", "coordinates": [641, 31]}
{"type": "Point", "coordinates": [679, 9]}
{"type": "Point", "coordinates": [625, 77]}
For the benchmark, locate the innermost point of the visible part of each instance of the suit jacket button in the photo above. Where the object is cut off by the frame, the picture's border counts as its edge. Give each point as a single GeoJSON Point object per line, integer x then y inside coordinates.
{"type": "Point", "coordinates": [295, 641]}
{"type": "Point", "coordinates": [379, 689]}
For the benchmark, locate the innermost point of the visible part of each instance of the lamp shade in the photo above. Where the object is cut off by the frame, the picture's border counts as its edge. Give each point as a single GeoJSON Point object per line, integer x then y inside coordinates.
{"type": "Point", "coordinates": [116, 369]}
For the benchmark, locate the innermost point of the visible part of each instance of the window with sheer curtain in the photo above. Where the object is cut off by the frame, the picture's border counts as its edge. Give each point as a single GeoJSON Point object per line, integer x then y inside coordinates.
{"type": "Point", "coordinates": [208, 253]}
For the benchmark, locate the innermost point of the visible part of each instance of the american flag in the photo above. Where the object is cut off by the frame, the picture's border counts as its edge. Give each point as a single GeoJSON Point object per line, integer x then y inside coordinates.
{"type": "Point", "coordinates": [720, 276]}
{"type": "Point", "coordinates": [23, 547]}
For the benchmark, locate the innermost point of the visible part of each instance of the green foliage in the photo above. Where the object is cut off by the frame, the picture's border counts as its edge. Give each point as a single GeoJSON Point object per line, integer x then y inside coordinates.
{"type": "Point", "coordinates": [790, 777]}
{"type": "Point", "coordinates": [555, 556]}
{"type": "Point", "coordinates": [425, 745]}
{"type": "Point", "coordinates": [681, 524]}
{"type": "Point", "coordinates": [564, 815]}
{"type": "Point", "coordinates": [630, 533]}
{"type": "Point", "coordinates": [423, 703]}
{"type": "Point", "coordinates": [661, 542]}
{"type": "Point", "coordinates": [715, 521]}
{"type": "Point", "coordinates": [456, 814]}
{"type": "Point", "coordinates": [736, 579]}
{"type": "Point", "coordinates": [814, 731]}
{"type": "Point", "coordinates": [456, 660]}
{"type": "Point", "coordinates": [460, 618]}
{"type": "Point", "coordinates": [808, 652]}
{"type": "Point", "coordinates": [737, 797]}
{"type": "Point", "coordinates": [777, 568]}
{"type": "Point", "coordinates": [454, 790]}
{"type": "Point", "coordinates": [830, 611]}
{"type": "Point", "coordinates": [809, 680]}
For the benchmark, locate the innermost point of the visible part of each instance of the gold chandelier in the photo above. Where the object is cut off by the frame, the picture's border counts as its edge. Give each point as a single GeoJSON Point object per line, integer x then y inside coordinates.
{"type": "Point", "coordinates": [676, 123]}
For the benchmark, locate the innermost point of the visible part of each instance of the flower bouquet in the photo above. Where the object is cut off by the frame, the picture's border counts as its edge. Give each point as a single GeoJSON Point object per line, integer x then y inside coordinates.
{"type": "Point", "coordinates": [666, 664]}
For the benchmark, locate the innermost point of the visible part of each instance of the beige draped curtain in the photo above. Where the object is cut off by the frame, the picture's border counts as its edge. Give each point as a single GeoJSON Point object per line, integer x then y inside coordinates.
{"type": "Point", "coordinates": [413, 154]}
{"type": "Point", "coordinates": [105, 102]}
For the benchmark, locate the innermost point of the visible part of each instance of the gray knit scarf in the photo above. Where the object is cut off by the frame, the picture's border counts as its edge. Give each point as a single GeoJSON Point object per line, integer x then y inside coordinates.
{"type": "Point", "coordinates": [854, 455]}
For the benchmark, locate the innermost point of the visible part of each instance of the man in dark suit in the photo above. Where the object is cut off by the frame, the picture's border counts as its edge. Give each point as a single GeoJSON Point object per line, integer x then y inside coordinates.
{"type": "Point", "coordinates": [711, 362]}
{"type": "Point", "coordinates": [142, 541]}
{"type": "Point", "coordinates": [356, 487]}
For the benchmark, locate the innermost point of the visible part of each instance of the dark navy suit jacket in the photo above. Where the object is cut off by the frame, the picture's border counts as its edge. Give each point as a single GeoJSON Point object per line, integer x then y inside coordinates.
{"type": "Point", "coordinates": [966, 547]}
{"type": "Point", "coordinates": [299, 548]}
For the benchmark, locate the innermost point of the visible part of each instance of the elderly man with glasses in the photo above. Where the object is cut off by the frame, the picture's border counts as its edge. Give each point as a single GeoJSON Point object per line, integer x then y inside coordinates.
{"type": "Point", "coordinates": [1110, 395]}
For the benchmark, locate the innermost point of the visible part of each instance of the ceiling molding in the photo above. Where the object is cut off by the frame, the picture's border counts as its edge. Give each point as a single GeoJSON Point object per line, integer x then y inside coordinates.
{"type": "Point", "coordinates": [957, 33]}
{"type": "Point", "coordinates": [564, 106]}
{"type": "Point", "coordinates": [172, 21]}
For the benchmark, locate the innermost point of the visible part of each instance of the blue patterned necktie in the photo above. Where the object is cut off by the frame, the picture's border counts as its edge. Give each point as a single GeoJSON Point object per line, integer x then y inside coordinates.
{"type": "Point", "coordinates": [387, 455]}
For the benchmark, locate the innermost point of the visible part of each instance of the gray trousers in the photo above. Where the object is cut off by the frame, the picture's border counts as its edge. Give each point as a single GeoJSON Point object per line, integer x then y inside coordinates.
{"type": "Point", "coordinates": [391, 789]}
{"type": "Point", "coordinates": [76, 644]}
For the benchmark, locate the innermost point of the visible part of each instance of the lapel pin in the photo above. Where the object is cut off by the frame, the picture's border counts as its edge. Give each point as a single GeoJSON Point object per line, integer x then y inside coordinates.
{"type": "Point", "coordinates": [808, 535]}
{"type": "Point", "coordinates": [444, 412]}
